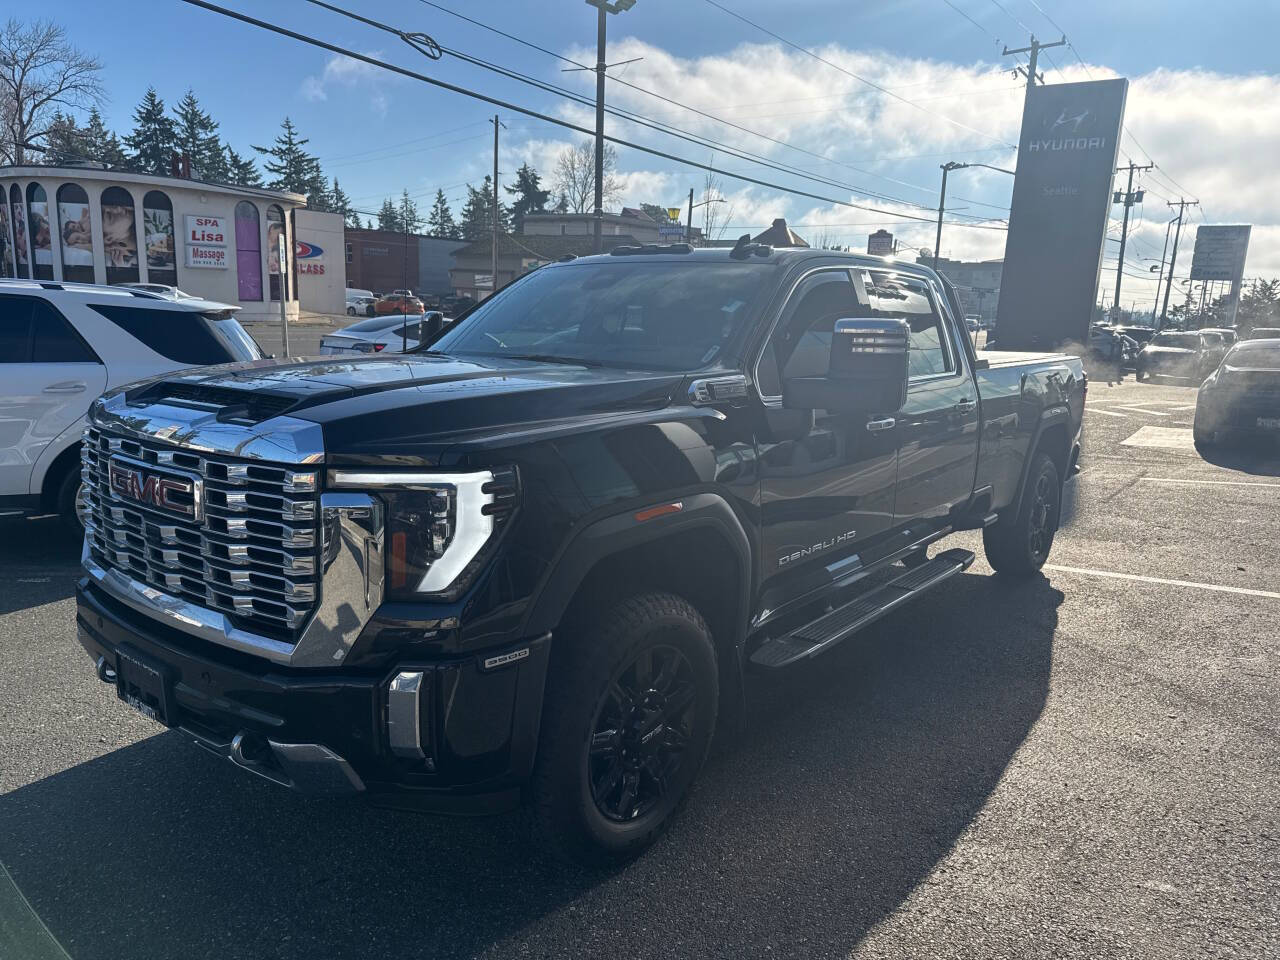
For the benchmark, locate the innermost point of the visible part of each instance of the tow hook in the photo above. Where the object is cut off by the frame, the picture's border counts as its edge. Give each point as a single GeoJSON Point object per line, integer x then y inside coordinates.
{"type": "Point", "coordinates": [105, 673]}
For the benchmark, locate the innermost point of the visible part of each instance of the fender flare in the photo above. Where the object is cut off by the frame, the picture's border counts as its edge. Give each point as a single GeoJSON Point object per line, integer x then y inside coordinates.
{"type": "Point", "coordinates": [621, 531]}
{"type": "Point", "coordinates": [1049, 417]}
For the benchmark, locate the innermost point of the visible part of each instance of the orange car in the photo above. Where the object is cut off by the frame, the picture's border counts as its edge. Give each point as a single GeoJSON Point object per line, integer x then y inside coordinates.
{"type": "Point", "coordinates": [399, 304]}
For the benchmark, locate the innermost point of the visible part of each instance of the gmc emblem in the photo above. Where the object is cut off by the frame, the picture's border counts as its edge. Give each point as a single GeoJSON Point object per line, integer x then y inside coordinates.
{"type": "Point", "coordinates": [177, 493]}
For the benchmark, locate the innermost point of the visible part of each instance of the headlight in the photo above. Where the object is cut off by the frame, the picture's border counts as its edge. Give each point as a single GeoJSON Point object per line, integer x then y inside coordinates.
{"type": "Point", "coordinates": [438, 525]}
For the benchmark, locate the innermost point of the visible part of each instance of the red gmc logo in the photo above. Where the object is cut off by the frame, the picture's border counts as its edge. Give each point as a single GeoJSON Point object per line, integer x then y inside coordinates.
{"type": "Point", "coordinates": [174, 493]}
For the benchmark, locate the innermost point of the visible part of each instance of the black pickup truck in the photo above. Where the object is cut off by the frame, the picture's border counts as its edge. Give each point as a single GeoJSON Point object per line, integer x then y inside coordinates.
{"type": "Point", "coordinates": [536, 560]}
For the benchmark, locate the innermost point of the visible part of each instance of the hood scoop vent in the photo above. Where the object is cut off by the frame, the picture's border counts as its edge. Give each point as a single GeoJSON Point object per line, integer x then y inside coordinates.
{"type": "Point", "coordinates": [232, 406]}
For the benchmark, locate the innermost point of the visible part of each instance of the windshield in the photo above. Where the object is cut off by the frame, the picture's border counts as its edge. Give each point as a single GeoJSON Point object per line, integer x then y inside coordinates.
{"type": "Point", "coordinates": [654, 315]}
{"type": "Point", "coordinates": [1185, 341]}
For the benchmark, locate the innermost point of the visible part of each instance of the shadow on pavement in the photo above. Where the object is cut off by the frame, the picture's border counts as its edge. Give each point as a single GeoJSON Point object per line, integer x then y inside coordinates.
{"type": "Point", "coordinates": [857, 775]}
{"type": "Point", "coordinates": [1259, 457]}
{"type": "Point", "coordinates": [39, 562]}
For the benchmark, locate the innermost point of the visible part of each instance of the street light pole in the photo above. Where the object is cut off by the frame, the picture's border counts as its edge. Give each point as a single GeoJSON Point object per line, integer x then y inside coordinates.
{"type": "Point", "coordinates": [688, 227]}
{"type": "Point", "coordinates": [942, 203]}
{"type": "Point", "coordinates": [602, 7]}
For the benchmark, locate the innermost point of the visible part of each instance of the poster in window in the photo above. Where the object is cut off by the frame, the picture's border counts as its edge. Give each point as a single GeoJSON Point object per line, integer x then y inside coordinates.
{"type": "Point", "coordinates": [41, 242]}
{"type": "Point", "coordinates": [158, 230]}
{"type": "Point", "coordinates": [118, 237]}
{"type": "Point", "coordinates": [274, 230]}
{"type": "Point", "coordinates": [77, 236]}
{"type": "Point", "coordinates": [6, 243]}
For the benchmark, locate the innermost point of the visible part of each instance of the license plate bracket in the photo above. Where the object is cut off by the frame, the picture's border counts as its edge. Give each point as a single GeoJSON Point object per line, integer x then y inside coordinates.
{"type": "Point", "coordinates": [144, 684]}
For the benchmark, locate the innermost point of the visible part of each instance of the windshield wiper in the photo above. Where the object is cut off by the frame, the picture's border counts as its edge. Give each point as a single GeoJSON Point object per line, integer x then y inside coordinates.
{"type": "Point", "coordinates": [554, 358]}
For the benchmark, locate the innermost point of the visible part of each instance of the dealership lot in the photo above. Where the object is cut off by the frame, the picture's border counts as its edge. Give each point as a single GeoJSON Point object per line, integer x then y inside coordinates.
{"type": "Point", "coordinates": [1083, 765]}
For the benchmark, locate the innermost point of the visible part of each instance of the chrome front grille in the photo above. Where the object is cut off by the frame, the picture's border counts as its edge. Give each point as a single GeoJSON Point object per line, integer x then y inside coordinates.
{"type": "Point", "coordinates": [252, 556]}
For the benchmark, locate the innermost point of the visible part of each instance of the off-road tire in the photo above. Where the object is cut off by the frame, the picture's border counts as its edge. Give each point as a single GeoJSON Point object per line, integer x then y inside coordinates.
{"type": "Point", "coordinates": [587, 661]}
{"type": "Point", "coordinates": [1018, 545]}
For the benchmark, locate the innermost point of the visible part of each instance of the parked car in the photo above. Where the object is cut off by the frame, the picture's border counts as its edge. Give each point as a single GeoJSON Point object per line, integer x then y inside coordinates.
{"type": "Point", "coordinates": [173, 293]}
{"type": "Point", "coordinates": [454, 307]}
{"type": "Point", "coordinates": [401, 293]}
{"type": "Point", "coordinates": [1264, 333]}
{"type": "Point", "coordinates": [360, 303]}
{"type": "Point", "coordinates": [533, 561]}
{"type": "Point", "coordinates": [61, 345]}
{"type": "Point", "coordinates": [389, 332]}
{"type": "Point", "coordinates": [1138, 334]}
{"type": "Point", "coordinates": [1241, 398]}
{"type": "Point", "coordinates": [1227, 334]}
{"type": "Point", "coordinates": [1191, 355]}
{"type": "Point", "coordinates": [398, 304]}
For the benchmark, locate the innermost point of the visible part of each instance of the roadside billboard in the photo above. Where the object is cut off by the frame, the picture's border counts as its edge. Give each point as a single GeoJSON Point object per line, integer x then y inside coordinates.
{"type": "Point", "coordinates": [1058, 218]}
{"type": "Point", "coordinates": [1220, 252]}
{"type": "Point", "coordinates": [880, 244]}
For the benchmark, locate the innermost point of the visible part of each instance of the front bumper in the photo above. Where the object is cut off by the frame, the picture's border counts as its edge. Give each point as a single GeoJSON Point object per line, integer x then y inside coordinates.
{"type": "Point", "coordinates": [329, 731]}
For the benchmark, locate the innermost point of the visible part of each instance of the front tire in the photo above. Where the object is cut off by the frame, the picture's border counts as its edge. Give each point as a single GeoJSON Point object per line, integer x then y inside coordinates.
{"type": "Point", "coordinates": [631, 708]}
{"type": "Point", "coordinates": [1018, 546]}
{"type": "Point", "coordinates": [70, 503]}
{"type": "Point", "coordinates": [351, 311]}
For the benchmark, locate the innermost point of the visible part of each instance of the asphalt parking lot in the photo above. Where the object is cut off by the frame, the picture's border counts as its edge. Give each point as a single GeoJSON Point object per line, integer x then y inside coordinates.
{"type": "Point", "coordinates": [1083, 765]}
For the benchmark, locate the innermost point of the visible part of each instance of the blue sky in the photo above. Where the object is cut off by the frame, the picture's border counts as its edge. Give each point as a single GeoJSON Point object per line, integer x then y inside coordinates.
{"type": "Point", "coordinates": [1199, 77]}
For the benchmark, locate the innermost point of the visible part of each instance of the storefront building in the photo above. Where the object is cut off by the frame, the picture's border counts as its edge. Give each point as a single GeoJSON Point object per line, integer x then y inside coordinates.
{"type": "Point", "coordinates": [91, 225]}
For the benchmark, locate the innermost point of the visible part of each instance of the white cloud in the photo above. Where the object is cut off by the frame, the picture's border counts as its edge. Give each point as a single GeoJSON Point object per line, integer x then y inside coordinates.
{"type": "Point", "coordinates": [343, 71]}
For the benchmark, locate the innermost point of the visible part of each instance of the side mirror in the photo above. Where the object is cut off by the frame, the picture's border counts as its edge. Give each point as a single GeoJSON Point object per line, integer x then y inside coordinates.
{"type": "Point", "coordinates": [867, 372]}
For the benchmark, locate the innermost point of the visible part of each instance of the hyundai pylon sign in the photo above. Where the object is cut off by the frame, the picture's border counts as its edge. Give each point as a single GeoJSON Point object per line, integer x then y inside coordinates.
{"type": "Point", "coordinates": [1058, 220]}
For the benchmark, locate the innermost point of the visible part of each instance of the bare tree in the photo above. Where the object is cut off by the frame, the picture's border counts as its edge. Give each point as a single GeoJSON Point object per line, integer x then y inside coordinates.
{"type": "Point", "coordinates": [716, 214]}
{"type": "Point", "coordinates": [575, 176]}
{"type": "Point", "coordinates": [41, 73]}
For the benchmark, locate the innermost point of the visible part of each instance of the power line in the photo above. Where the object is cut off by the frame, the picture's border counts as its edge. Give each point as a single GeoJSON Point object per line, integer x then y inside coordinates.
{"type": "Point", "coordinates": [850, 73]}
{"type": "Point", "coordinates": [495, 101]}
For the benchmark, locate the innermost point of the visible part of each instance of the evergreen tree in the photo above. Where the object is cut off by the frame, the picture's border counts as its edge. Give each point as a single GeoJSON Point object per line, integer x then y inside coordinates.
{"type": "Point", "coordinates": [477, 212]}
{"type": "Point", "coordinates": [196, 136]}
{"type": "Point", "coordinates": [440, 220]}
{"type": "Point", "coordinates": [102, 144]}
{"type": "Point", "coordinates": [562, 203]}
{"type": "Point", "coordinates": [294, 169]}
{"type": "Point", "coordinates": [241, 170]}
{"type": "Point", "coordinates": [342, 205]}
{"type": "Point", "coordinates": [152, 141]}
{"type": "Point", "coordinates": [388, 216]}
{"type": "Point", "coordinates": [407, 211]}
{"type": "Point", "coordinates": [530, 197]}
{"type": "Point", "coordinates": [65, 142]}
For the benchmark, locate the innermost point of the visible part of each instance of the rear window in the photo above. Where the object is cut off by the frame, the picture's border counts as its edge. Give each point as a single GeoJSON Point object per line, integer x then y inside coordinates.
{"type": "Point", "coordinates": [1187, 341]}
{"type": "Point", "coordinates": [1255, 351]}
{"type": "Point", "coordinates": [373, 324]}
{"type": "Point", "coordinates": [33, 331]}
{"type": "Point", "coordinates": [183, 336]}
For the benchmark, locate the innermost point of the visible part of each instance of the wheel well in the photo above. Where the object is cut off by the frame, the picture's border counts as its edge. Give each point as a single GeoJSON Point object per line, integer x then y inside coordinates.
{"type": "Point", "coordinates": [1055, 442]}
{"type": "Point", "coordinates": [698, 565]}
{"type": "Point", "coordinates": [68, 459]}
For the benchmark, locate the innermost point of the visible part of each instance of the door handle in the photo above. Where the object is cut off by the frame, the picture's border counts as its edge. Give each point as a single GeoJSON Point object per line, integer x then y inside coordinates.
{"type": "Point", "coordinates": [78, 386]}
{"type": "Point", "coordinates": [884, 423]}
{"type": "Point", "coordinates": [966, 406]}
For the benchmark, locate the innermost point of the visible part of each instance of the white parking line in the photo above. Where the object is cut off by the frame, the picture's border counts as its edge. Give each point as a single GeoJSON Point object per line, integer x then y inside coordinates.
{"type": "Point", "coordinates": [1110, 413]}
{"type": "Point", "coordinates": [1152, 413]}
{"type": "Point", "coordinates": [1217, 483]}
{"type": "Point", "coordinates": [1084, 571]}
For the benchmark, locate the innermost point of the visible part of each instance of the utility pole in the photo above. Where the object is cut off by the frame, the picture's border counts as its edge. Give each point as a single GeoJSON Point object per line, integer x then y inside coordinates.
{"type": "Point", "coordinates": [942, 202]}
{"type": "Point", "coordinates": [1182, 205]}
{"type": "Point", "coordinates": [1033, 52]}
{"type": "Point", "coordinates": [603, 7]}
{"type": "Point", "coordinates": [493, 258]}
{"type": "Point", "coordinates": [688, 227]}
{"type": "Point", "coordinates": [1168, 228]}
{"type": "Point", "coordinates": [1129, 198]}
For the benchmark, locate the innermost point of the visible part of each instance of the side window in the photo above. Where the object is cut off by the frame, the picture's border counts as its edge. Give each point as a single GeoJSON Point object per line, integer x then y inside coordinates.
{"type": "Point", "coordinates": [183, 336]}
{"type": "Point", "coordinates": [54, 340]}
{"type": "Point", "coordinates": [15, 330]}
{"type": "Point", "coordinates": [930, 351]}
{"type": "Point", "coordinates": [801, 344]}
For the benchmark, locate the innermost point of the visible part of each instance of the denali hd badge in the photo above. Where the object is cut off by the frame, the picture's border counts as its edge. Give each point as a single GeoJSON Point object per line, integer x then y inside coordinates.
{"type": "Point", "coordinates": [177, 493]}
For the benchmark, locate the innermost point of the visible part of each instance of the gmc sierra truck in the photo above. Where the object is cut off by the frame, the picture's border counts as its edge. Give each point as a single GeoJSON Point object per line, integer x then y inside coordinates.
{"type": "Point", "coordinates": [536, 559]}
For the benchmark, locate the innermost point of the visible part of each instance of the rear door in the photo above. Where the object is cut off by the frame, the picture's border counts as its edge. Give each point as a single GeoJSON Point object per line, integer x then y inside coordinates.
{"type": "Point", "coordinates": [48, 377]}
{"type": "Point", "coordinates": [938, 427]}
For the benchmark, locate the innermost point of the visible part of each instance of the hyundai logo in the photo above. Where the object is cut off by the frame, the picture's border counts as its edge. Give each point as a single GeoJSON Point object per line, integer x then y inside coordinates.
{"type": "Point", "coordinates": [176, 493]}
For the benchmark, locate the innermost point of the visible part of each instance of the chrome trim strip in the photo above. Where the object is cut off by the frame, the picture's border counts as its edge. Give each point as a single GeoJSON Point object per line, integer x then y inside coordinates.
{"type": "Point", "coordinates": [350, 591]}
{"type": "Point", "coordinates": [404, 734]}
{"type": "Point", "coordinates": [278, 440]}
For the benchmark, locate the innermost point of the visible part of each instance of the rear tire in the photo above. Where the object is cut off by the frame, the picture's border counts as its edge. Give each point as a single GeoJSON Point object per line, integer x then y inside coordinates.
{"type": "Point", "coordinates": [1019, 545]}
{"type": "Point", "coordinates": [630, 711]}
{"type": "Point", "coordinates": [68, 502]}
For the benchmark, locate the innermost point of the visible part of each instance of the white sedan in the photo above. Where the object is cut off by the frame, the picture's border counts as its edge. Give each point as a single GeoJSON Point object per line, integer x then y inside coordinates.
{"type": "Point", "coordinates": [387, 332]}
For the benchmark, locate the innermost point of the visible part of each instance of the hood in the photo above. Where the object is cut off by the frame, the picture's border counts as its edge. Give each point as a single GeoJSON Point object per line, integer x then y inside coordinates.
{"type": "Point", "coordinates": [372, 405]}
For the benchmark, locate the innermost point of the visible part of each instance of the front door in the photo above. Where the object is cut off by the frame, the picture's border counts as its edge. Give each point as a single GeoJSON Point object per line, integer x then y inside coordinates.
{"type": "Point", "coordinates": [826, 478]}
{"type": "Point", "coordinates": [938, 426]}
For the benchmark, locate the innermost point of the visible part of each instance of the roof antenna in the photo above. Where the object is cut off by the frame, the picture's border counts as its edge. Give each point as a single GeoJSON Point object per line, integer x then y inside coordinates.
{"type": "Point", "coordinates": [742, 249]}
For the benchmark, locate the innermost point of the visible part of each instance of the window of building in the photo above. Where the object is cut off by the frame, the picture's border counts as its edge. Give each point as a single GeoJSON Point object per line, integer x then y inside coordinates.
{"type": "Point", "coordinates": [19, 233]}
{"type": "Point", "coordinates": [248, 251]}
{"type": "Point", "coordinates": [275, 230]}
{"type": "Point", "coordinates": [157, 230]}
{"type": "Point", "coordinates": [119, 235]}
{"type": "Point", "coordinates": [39, 229]}
{"type": "Point", "coordinates": [348, 253]}
{"type": "Point", "coordinates": [75, 228]}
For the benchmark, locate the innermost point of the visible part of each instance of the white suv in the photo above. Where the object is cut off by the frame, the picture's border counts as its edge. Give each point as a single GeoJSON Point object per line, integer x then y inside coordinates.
{"type": "Point", "coordinates": [63, 344]}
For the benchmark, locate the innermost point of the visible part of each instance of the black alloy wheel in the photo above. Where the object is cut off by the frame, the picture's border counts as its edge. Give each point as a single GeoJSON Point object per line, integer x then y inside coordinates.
{"type": "Point", "coordinates": [1044, 511]}
{"type": "Point", "coordinates": [1018, 544]}
{"type": "Point", "coordinates": [641, 733]}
